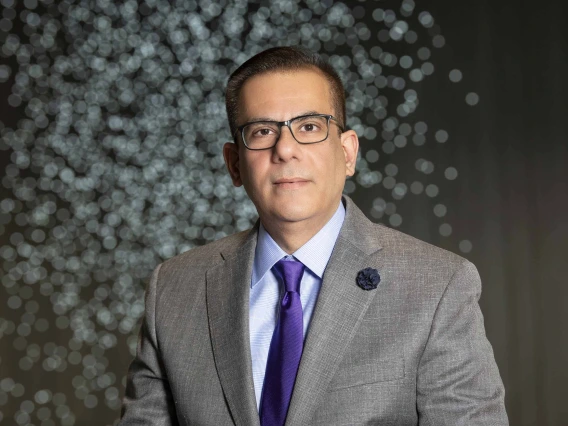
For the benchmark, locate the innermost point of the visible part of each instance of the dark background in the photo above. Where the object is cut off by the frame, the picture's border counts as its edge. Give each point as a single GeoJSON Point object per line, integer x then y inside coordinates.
{"type": "Point", "coordinates": [509, 202]}
{"type": "Point", "coordinates": [513, 199]}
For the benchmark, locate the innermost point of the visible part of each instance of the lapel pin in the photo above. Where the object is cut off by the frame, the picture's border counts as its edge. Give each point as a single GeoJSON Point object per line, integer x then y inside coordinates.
{"type": "Point", "coordinates": [368, 278]}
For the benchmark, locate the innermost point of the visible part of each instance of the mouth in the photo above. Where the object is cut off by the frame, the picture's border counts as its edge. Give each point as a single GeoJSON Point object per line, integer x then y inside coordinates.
{"type": "Point", "coordinates": [290, 183]}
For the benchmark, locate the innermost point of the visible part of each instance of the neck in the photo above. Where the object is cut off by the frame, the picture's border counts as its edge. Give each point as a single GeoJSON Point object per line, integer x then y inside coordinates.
{"type": "Point", "coordinates": [291, 235]}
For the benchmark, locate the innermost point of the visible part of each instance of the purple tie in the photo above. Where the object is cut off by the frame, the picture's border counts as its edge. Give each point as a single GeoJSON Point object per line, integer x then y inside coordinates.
{"type": "Point", "coordinates": [285, 348]}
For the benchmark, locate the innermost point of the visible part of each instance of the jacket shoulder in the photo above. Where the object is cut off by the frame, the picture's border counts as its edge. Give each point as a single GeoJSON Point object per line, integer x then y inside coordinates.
{"type": "Point", "coordinates": [411, 249]}
{"type": "Point", "coordinates": [207, 255]}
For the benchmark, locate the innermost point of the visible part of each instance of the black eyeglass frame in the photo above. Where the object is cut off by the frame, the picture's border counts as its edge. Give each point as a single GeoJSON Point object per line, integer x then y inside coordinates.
{"type": "Point", "coordinates": [280, 124]}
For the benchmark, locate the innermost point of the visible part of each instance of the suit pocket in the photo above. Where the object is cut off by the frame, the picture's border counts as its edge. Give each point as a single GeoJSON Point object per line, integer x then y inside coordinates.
{"type": "Point", "coordinates": [350, 375]}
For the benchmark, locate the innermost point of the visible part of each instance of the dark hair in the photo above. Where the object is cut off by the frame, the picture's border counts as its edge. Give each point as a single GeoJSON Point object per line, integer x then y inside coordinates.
{"type": "Point", "coordinates": [284, 58]}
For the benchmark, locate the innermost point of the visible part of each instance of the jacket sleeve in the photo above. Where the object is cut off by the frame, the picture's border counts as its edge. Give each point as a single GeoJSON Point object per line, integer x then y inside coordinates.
{"type": "Point", "coordinates": [458, 382]}
{"type": "Point", "coordinates": [148, 400]}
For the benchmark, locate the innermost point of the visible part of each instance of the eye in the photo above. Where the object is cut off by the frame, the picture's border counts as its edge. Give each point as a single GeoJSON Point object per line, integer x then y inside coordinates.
{"type": "Point", "coordinates": [309, 127]}
{"type": "Point", "coordinates": [260, 130]}
{"type": "Point", "coordinates": [310, 124]}
{"type": "Point", "coordinates": [264, 131]}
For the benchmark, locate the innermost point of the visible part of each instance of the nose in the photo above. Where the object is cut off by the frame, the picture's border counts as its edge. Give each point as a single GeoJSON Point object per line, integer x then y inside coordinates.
{"type": "Point", "coordinates": [286, 146]}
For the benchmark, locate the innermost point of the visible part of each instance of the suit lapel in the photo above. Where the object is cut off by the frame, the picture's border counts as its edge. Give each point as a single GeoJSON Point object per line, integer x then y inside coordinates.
{"type": "Point", "coordinates": [341, 305]}
{"type": "Point", "coordinates": [228, 288]}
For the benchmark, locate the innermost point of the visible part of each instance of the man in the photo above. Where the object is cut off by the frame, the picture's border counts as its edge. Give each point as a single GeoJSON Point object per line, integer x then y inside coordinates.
{"type": "Point", "coordinates": [316, 316]}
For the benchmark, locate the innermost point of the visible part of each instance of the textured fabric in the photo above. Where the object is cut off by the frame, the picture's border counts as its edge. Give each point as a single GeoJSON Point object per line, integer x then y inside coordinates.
{"type": "Point", "coordinates": [265, 292]}
{"type": "Point", "coordinates": [411, 352]}
{"type": "Point", "coordinates": [285, 348]}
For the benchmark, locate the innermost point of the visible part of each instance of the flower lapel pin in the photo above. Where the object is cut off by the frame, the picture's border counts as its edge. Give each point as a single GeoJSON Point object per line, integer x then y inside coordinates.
{"type": "Point", "coordinates": [368, 278]}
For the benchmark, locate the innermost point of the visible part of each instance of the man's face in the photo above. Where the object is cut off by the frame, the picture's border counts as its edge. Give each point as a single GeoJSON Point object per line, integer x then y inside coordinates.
{"type": "Point", "coordinates": [292, 182]}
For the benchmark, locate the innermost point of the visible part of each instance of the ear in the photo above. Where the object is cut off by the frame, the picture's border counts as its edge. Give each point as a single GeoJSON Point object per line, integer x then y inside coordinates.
{"type": "Point", "coordinates": [231, 155]}
{"type": "Point", "coordinates": [350, 144]}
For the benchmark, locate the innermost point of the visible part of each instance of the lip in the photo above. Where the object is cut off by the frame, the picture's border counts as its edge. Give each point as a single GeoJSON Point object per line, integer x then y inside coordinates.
{"type": "Point", "coordinates": [290, 183]}
{"type": "Point", "coordinates": [289, 180]}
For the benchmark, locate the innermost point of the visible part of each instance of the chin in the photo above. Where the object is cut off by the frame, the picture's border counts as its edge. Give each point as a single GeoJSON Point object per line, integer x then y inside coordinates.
{"type": "Point", "coordinates": [293, 212]}
{"type": "Point", "coordinates": [278, 209]}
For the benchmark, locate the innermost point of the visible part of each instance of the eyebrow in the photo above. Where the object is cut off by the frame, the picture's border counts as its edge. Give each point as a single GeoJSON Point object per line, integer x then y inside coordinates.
{"type": "Point", "coordinates": [253, 119]}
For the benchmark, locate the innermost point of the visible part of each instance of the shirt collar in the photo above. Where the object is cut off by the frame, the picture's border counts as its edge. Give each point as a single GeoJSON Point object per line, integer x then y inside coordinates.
{"type": "Point", "coordinates": [314, 254]}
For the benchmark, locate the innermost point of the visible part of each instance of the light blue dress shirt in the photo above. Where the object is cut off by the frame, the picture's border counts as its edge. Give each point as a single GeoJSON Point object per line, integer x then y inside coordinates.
{"type": "Point", "coordinates": [265, 293]}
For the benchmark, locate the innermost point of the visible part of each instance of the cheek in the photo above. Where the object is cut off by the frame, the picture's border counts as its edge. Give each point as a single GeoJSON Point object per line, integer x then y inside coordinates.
{"type": "Point", "coordinates": [253, 175]}
{"type": "Point", "coordinates": [335, 167]}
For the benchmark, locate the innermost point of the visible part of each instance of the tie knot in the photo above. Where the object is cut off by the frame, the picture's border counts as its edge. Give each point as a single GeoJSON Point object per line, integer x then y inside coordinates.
{"type": "Point", "coordinates": [290, 271]}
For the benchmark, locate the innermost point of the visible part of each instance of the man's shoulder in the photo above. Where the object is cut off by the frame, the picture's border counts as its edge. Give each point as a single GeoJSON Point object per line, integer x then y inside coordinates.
{"type": "Point", "coordinates": [209, 254]}
{"type": "Point", "coordinates": [409, 249]}
{"type": "Point", "coordinates": [395, 245]}
{"type": "Point", "coordinates": [419, 269]}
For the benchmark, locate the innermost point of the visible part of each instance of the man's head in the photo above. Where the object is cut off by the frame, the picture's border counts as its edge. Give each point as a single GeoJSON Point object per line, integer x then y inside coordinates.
{"type": "Point", "coordinates": [281, 59]}
{"type": "Point", "coordinates": [294, 186]}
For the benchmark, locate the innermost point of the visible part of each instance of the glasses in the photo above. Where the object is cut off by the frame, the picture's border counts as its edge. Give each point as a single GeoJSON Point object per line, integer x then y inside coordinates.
{"type": "Point", "coordinates": [306, 129]}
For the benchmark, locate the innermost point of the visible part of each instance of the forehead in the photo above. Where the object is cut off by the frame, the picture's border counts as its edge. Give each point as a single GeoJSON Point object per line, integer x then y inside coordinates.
{"type": "Point", "coordinates": [284, 94]}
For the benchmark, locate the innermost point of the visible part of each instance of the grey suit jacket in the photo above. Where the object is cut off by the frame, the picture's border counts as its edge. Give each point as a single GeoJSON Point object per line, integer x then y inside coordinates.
{"type": "Point", "coordinates": [411, 352]}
